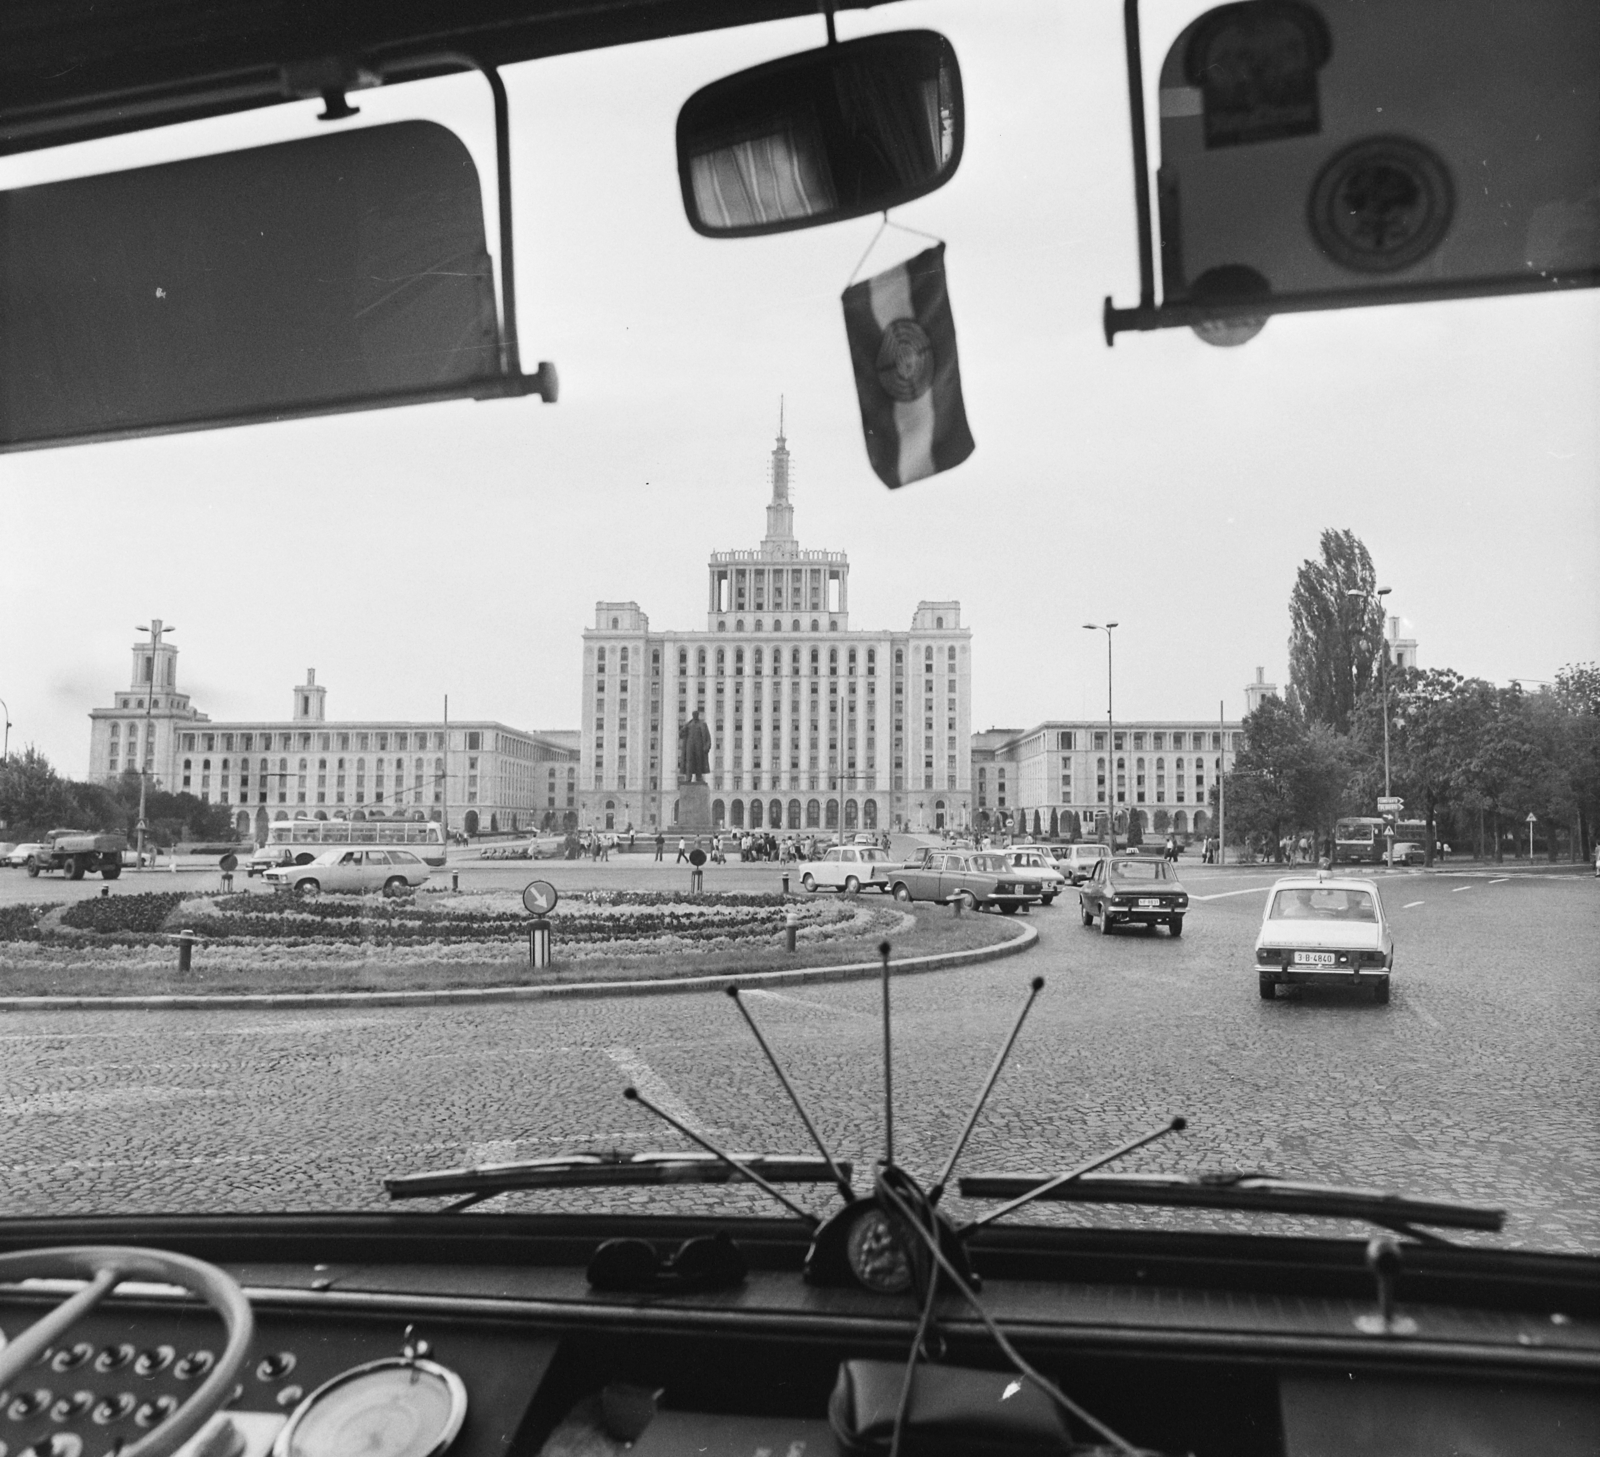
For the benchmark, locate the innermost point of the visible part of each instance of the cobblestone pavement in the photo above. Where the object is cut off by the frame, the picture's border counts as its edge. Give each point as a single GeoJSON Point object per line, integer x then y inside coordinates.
{"type": "Point", "coordinates": [1479, 1081]}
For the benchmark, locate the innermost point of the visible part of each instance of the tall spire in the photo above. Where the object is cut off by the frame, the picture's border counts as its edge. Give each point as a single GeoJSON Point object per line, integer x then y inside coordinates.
{"type": "Point", "coordinates": [780, 510]}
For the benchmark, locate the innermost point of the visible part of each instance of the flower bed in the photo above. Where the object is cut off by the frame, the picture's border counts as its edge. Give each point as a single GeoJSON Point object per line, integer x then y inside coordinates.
{"type": "Point", "coordinates": [147, 912]}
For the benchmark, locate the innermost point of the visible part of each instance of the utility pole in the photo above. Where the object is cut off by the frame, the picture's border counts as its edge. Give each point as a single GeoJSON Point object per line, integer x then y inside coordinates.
{"type": "Point", "coordinates": [1111, 740]}
{"type": "Point", "coordinates": [444, 782]}
{"type": "Point", "coordinates": [1222, 838]}
{"type": "Point", "coordinates": [157, 630]}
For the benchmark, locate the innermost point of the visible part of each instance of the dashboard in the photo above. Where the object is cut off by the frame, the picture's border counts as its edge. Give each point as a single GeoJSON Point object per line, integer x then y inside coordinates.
{"type": "Point", "coordinates": [415, 1335]}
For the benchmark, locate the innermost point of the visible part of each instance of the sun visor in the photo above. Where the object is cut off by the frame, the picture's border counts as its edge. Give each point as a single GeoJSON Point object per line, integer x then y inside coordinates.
{"type": "Point", "coordinates": [337, 272]}
{"type": "Point", "coordinates": [1344, 153]}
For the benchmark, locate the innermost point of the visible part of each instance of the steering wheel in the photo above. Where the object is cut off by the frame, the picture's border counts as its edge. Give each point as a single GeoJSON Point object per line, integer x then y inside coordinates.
{"type": "Point", "coordinates": [105, 1267]}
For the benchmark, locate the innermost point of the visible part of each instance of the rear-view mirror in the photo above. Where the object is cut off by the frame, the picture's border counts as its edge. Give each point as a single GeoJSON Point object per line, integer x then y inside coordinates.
{"type": "Point", "coordinates": [836, 133]}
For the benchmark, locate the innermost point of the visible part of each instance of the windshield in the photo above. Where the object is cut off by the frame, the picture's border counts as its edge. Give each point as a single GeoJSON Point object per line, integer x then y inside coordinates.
{"type": "Point", "coordinates": [662, 643]}
{"type": "Point", "coordinates": [1325, 903]}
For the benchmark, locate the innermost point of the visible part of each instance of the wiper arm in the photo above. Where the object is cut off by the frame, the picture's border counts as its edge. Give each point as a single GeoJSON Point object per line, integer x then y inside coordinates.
{"type": "Point", "coordinates": [1247, 1190]}
{"type": "Point", "coordinates": [606, 1167]}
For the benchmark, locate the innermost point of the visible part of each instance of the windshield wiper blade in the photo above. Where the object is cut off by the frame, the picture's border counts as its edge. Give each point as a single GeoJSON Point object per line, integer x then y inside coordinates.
{"type": "Point", "coordinates": [608, 1167]}
{"type": "Point", "coordinates": [1246, 1190]}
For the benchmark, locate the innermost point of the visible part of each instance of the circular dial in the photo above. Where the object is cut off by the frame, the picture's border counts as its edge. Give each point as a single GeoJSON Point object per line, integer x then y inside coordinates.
{"type": "Point", "coordinates": [877, 1253]}
{"type": "Point", "coordinates": [390, 1408]}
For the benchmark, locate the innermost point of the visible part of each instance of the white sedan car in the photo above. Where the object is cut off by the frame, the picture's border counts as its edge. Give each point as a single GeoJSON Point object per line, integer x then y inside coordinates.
{"type": "Point", "coordinates": [850, 868]}
{"type": "Point", "coordinates": [1325, 930]}
{"type": "Point", "coordinates": [1040, 865]}
{"type": "Point", "coordinates": [392, 871]}
{"type": "Point", "coordinates": [18, 854]}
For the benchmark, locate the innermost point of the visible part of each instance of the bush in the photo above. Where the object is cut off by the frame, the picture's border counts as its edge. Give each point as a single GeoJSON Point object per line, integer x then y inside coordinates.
{"type": "Point", "coordinates": [144, 912]}
{"type": "Point", "coordinates": [20, 923]}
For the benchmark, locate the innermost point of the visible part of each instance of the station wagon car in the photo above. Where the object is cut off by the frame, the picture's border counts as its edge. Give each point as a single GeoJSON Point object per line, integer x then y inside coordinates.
{"type": "Point", "coordinates": [1325, 931]}
{"type": "Point", "coordinates": [976, 878]}
{"type": "Point", "coordinates": [1077, 862]}
{"type": "Point", "coordinates": [1133, 890]}
{"type": "Point", "coordinates": [391, 871]}
{"type": "Point", "coordinates": [850, 868]}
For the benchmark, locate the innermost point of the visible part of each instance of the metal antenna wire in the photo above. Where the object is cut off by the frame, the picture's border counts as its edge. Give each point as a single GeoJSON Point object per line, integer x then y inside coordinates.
{"type": "Point", "coordinates": [1035, 988]}
{"type": "Point", "coordinates": [888, 1064]}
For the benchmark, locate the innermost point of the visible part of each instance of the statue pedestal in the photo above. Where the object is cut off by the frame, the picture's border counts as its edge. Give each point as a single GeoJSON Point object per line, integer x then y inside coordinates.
{"type": "Point", "coordinates": [694, 810]}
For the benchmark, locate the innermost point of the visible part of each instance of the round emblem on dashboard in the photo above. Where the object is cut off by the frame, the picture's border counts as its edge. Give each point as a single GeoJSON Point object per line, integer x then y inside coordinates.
{"type": "Point", "coordinates": [905, 360]}
{"type": "Point", "coordinates": [1381, 205]}
{"type": "Point", "coordinates": [877, 1253]}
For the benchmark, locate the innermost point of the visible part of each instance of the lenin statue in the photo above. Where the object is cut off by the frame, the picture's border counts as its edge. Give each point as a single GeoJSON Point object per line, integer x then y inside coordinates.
{"type": "Point", "coordinates": [694, 750]}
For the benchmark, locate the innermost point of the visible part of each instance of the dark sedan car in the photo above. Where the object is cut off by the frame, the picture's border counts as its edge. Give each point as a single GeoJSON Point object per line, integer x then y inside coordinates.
{"type": "Point", "coordinates": [1134, 890]}
{"type": "Point", "coordinates": [976, 878]}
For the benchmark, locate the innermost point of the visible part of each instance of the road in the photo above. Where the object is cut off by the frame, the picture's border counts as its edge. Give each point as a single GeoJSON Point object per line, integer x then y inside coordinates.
{"type": "Point", "coordinates": [1479, 1081]}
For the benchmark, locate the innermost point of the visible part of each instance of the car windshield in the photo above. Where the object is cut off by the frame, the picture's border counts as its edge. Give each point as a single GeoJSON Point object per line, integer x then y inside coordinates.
{"type": "Point", "coordinates": [1323, 903]}
{"type": "Point", "coordinates": [737, 593]}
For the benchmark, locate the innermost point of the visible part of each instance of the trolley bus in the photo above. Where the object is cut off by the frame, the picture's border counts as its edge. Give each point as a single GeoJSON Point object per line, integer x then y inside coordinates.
{"type": "Point", "coordinates": [1359, 840]}
{"type": "Point", "coordinates": [299, 842]}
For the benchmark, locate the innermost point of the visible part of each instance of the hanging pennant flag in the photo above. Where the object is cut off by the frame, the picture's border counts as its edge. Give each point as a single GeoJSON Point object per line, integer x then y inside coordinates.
{"type": "Point", "coordinates": [903, 346]}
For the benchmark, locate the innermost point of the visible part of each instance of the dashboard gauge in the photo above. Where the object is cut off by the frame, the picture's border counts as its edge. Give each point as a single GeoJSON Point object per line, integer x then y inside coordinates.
{"type": "Point", "coordinates": [390, 1408]}
{"type": "Point", "coordinates": [877, 1253]}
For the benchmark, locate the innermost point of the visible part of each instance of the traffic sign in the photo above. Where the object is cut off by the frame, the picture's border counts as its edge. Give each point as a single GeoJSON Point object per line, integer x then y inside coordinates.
{"type": "Point", "coordinates": [1390, 804]}
{"type": "Point", "coordinates": [539, 896]}
{"type": "Point", "coordinates": [697, 857]}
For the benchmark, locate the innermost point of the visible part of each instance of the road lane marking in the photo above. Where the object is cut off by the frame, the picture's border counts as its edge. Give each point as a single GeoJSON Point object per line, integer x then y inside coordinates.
{"type": "Point", "coordinates": [1224, 894]}
{"type": "Point", "coordinates": [1458, 889]}
{"type": "Point", "coordinates": [1410, 904]}
{"type": "Point", "coordinates": [1501, 881]}
{"type": "Point", "coordinates": [655, 1087]}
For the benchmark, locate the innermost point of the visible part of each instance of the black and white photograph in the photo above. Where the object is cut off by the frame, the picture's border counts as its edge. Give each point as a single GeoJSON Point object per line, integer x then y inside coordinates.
{"type": "Point", "coordinates": [800, 728]}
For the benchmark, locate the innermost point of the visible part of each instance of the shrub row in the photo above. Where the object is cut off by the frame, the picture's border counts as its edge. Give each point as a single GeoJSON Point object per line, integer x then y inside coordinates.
{"type": "Point", "coordinates": [371, 908]}
{"type": "Point", "coordinates": [591, 930]}
{"type": "Point", "coordinates": [143, 912]}
{"type": "Point", "coordinates": [19, 923]}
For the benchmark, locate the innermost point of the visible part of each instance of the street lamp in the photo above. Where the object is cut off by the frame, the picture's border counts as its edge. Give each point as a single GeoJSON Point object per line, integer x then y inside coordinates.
{"type": "Point", "coordinates": [5, 755]}
{"type": "Point", "coordinates": [1383, 671]}
{"type": "Point", "coordinates": [1111, 739]}
{"type": "Point", "coordinates": [157, 630]}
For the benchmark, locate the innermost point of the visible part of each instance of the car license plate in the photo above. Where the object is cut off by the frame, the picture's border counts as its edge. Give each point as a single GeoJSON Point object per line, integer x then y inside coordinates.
{"type": "Point", "coordinates": [1314, 958]}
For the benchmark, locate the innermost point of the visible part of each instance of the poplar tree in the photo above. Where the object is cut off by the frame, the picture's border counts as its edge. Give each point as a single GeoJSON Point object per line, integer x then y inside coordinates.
{"type": "Point", "coordinates": [1336, 639]}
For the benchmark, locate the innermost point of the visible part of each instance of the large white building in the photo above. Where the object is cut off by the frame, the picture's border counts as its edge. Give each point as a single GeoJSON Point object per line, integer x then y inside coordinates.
{"type": "Point", "coordinates": [478, 775]}
{"type": "Point", "coordinates": [813, 722]}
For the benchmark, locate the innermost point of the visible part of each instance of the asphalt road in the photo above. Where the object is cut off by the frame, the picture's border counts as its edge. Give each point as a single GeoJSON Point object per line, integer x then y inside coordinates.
{"type": "Point", "coordinates": [1479, 1081]}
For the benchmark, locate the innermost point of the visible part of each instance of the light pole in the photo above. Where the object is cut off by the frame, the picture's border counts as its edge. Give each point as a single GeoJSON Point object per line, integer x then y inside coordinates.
{"type": "Point", "coordinates": [157, 630]}
{"type": "Point", "coordinates": [5, 755]}
{"type": "Point", "coordinates": [1383, 672]}
{"type": "Point", "coordinates": [1111, 740]}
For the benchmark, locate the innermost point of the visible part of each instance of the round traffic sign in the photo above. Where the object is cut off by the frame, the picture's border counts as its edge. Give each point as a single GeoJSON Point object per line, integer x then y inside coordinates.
{"type": "Point", "coordinates": [539, 896]}
{"type": "Point", "coordinates": [230, 863]}
{"type": "Point", "coordinates": [697, 858]}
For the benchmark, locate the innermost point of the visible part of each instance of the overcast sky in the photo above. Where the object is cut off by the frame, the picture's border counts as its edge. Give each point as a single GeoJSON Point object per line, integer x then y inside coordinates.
{"type": "Point", "coordinates": [1174, 487]}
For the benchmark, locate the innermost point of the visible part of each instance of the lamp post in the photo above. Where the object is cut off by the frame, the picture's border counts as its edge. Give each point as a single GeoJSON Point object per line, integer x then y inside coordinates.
{"type": "Point", "coordinates": [157, 631]}
{"type": "Point", "coordinates": [1383, 672]}
{"type": "Point", "coordinates": [5, 755]}
{"type": "Point", "coordinates": [1111, 739]}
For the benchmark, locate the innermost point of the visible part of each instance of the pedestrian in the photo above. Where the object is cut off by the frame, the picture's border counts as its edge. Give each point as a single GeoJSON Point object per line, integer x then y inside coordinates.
{"type": "Point", "coordinates": [683, 851]}
{"type": "Point", "coordinates": [1597, 859]}
{"type": "Point", "coordinates": [1171, 851]}
{"type": "Point", "coordinates": [661, 844]}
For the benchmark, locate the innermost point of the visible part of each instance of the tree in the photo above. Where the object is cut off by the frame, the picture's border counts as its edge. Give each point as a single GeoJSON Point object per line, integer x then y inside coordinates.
{"type": "Point", "coordinates": [1336, 639]}
{"type": "Point", "coordinates": [1578, 691]}
{"type": "Point", "coordinates": [33, 797]}
{"type": "Point", "coordinates": [1261, 783]}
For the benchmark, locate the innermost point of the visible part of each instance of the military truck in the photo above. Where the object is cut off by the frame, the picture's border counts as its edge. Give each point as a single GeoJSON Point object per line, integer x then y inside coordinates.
{"type": "Point", "coordinates": [75, 852]}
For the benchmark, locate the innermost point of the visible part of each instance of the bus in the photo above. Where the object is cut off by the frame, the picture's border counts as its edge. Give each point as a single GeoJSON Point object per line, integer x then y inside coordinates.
{"type": "Point", "coordinates": [1359, 840]}
{"type": "Point", "coordinates": [301, 841]}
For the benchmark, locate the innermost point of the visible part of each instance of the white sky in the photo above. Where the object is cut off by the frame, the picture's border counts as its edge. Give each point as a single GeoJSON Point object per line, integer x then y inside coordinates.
{"type": "Point", "coordinates": [1174, 487]}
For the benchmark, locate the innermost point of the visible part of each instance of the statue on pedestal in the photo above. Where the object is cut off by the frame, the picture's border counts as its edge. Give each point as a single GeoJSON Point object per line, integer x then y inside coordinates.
{"type": "Point", "coordinates": [694, 750]}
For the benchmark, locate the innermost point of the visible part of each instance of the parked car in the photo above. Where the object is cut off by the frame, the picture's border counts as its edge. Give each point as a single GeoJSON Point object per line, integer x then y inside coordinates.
{"type": "Point", "coordinates": [1325, 930]}
{"type": "Point", "coordinates": [393, 871]}
{"type": "Point", "coordinates": [1080, 861]}
{"type": "Point", "coordinates": [275, 857]}
{"type": "Point", "coordinates": [850, 868]}
{"type": "Point", "coordinates": [1038, 861]}
{"type": "Point", "coordinates": [6, 847]}
{"type": "Point", "coordinates": [18, 855]}
{"type": "Point", "coordinates": [976, 878]}
{"type": "Point", "coordinates": [1139, 890]}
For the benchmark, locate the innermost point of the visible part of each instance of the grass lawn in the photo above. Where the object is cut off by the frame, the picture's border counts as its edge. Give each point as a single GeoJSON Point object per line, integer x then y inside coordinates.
{"type": "Point", "coordinates": [41, 969]}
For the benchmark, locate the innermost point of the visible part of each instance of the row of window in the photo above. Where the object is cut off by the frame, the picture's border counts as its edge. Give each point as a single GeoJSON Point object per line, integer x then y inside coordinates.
{"type": "Point", "coordinates": [382, 741]}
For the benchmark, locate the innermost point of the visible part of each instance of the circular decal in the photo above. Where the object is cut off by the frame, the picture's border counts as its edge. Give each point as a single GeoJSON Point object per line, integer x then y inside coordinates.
{"type": "Point", "coordinates": [877, 1253]}
{"type": "Point", "coordinates": [539, 897]}
{"type": "Point", "coordinates": [1381, 205]}
{"type": "Point", "coordinates": [905, 360]}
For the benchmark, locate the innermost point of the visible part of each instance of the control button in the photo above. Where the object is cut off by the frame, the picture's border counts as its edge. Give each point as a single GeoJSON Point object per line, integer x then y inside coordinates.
{"type": "Point", "coordinates": [28, 1404]}
{"type": "Point", "coordinates": [113, 1409]}
{"type": "Point", "coordinates": [69, 1358]}
{"type": "Point", "coordinates": [151, 1412]}
{"type": "Point", "coordinates": [275, 1367]}
{"type": "Point", "coordinates": [154, 1360]}
{"type": "Point", "coordinates": [193, 1366]}
{"type": "Point", "coordinates": [114, 1358]}
{"type": "Point", "coordinates": [290, 1395]}
{"type": "Point", "coordinates": [68, 1408]}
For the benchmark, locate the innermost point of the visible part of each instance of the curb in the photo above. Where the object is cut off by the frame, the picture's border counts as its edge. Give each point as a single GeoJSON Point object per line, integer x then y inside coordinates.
{"type": "Point", "coordinates": [854, 971]}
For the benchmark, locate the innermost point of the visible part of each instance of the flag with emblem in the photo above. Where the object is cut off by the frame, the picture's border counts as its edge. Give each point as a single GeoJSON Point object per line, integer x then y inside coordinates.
{"type": "Point", "coordinates": [903, 346]}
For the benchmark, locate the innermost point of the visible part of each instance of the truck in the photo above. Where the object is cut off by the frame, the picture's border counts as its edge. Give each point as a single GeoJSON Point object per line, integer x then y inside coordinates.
{"type": "Point", "coordinates": [75, 852]}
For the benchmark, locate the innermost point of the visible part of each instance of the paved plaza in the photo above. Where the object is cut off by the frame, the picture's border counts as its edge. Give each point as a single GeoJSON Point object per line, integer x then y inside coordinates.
{"type": "Point", "coordinates": [1478, 1082]}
